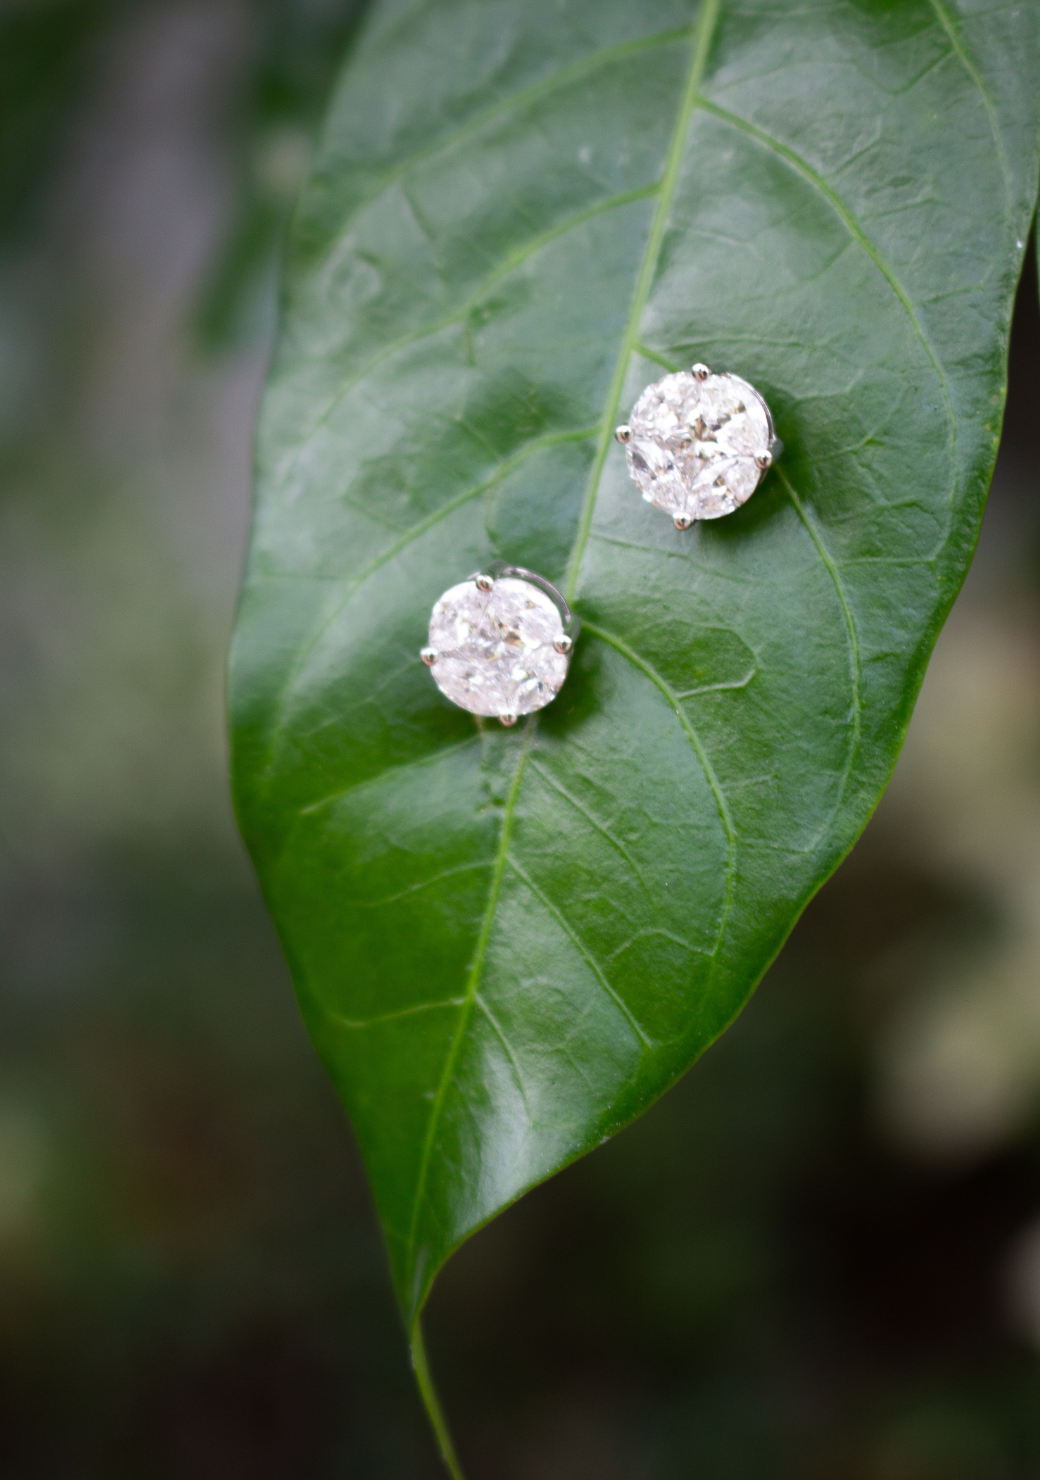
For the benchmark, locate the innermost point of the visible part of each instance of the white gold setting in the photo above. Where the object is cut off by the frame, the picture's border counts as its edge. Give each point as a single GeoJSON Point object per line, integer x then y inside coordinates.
{"type": "Point", "coordinates": [698, 444]}
{"type": "Point", "coordinates": [500, 642]}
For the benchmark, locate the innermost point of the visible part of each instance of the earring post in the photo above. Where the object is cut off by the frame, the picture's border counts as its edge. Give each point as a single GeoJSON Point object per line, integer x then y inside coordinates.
{"type": "Point", "coordinates": [503, 568]}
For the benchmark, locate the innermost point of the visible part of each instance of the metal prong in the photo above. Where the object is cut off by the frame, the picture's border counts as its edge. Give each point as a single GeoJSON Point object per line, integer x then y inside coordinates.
{"type": "Point", "coordinates": [428, 656]}
{"type": "Point", "coordinates": [682, 521]}
{"type": "Point", "coordinates": [701, 371]}
{"type": "Point", "coordinates": [623, 433]}
{"type": "Point", "coordinates": [563, 644]}
{"type": "Point", "coordinates": [485, 582]}
{"type": "Point", "coordinates": [764, 461]}
{"type": "Point", "coordinates": [508, 719]}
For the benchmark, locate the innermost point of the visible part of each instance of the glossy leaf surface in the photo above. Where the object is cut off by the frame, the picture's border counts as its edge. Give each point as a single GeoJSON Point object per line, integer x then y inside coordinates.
{"type": "Point", "coordinates": [508, 943]}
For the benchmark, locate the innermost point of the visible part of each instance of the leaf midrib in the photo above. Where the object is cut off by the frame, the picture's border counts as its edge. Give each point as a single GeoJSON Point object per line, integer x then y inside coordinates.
{"type": "Point", "coordinates": [470, 996]}
{"type": "Point", "coordinates": [701, 45]}
{"type": "Point", "coordinates": [644, 282]}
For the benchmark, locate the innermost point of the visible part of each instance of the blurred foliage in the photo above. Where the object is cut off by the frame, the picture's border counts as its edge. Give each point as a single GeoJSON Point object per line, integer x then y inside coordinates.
{"type": "Point", "coordinates": [46, 47]}
{"type": "Point", "coordinates": [299, 49]}
{"type": "Point", "coordinates": [49, 51]}
{"type": "Point", "coordinates": [788, 1268]}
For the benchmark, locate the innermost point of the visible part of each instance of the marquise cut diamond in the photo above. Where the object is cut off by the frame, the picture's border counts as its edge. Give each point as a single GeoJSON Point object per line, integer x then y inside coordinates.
{"type": "Point", "coordinates": [493, 651]}
{"type": "Point", "coordinates": [697, 445]}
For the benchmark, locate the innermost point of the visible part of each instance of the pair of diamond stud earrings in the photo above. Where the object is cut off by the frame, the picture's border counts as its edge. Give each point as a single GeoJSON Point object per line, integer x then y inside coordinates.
{"type": "Point", "coordinates": [697, 445]}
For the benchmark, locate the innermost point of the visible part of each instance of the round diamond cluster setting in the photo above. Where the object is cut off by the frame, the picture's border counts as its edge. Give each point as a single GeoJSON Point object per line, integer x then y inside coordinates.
{"type": "Point", "coordinates": [498, 647]}
{"type": "Point", "coordinates": [697, 444]}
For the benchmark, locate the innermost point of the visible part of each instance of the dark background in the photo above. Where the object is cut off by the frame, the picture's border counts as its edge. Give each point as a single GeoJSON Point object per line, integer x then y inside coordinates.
{"type": "Point", "coordinates": [818, 1257]}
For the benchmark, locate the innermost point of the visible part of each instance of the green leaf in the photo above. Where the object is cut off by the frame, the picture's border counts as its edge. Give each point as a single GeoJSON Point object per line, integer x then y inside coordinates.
{"type": "Point", "coordinates": [508, 943]}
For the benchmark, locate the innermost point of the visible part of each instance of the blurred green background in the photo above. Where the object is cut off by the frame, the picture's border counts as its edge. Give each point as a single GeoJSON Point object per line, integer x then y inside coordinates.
{"type": "Point", "coordinates": [818, 1257]}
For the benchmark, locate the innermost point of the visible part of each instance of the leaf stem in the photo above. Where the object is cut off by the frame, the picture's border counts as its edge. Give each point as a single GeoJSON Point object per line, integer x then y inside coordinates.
{"type": "Point", "coordinates": [431, 1403]}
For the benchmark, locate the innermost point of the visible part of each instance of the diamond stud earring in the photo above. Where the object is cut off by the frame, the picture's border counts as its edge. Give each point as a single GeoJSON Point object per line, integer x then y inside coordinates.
{"type": "Point", "coordinates": [698, 444]}
{"type": "Point", "coordinates": [500, 642]}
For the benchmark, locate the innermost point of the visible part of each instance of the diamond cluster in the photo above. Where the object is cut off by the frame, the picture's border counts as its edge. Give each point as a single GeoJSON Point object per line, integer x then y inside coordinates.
{"type": "Point", "coordinates": [697, 444]}
{"type": "Point", "coordinates": [493, 651]}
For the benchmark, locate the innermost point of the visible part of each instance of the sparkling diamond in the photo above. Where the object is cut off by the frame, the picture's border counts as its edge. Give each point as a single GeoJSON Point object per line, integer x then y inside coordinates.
{"type": "Point", "coordinates": [494, 649]}
{"type": "Point", "coordinates": [693, 444]}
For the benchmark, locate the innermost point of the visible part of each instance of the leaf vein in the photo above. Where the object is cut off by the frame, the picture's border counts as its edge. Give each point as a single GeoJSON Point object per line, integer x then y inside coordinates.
{"type": "Point", "coordinates": [514, 102]}
{"type": "Point", "coordinates": [655, 358]}
{"type": "Point", "coordinates": [380, 776]}
{"type": "Point", "coordinates": [965, 59]}
{"type": "Point", "coordinates": [589, 959]}
{"type": "Point", "coordinates": [510, 1054]}
{"type": "Point", "coordinates": [593, 822]}
{"type": "Point", "coordinates": [459, 315]}
{"type": "Point", "coordinates": [389, 1017]}
{"type": "Point", "coordinates": [448, 873]}
{"type": "Point", "coordinates": [728, 828]}
{"type": "Point", "coordinates": [855, 661]}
